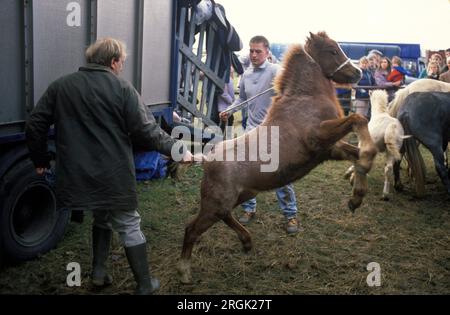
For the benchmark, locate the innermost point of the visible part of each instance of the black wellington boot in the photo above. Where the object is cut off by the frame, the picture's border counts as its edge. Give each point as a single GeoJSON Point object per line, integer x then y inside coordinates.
{"type": "Point", "coordinates": [101, 241]}
{"type": "Point", "coordinates": [137, 258]}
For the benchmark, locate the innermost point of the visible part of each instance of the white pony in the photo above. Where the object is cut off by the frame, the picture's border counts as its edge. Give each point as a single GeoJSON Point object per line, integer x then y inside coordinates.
{"type": "Point", "coordinates": [421, 85]}
{"type": "Point", "coordinates": [387, 133]}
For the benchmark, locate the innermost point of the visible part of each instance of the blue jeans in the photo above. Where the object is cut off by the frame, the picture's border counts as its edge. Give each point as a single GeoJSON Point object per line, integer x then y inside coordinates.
{"type": "Point", "coordinates": [286, 201]}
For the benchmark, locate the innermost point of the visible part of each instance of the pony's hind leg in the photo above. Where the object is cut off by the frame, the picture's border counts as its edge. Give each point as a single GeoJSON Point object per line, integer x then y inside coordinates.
{"type": "Point", "coordinates": [397, 180]}
{"type": "Point", "coordinates": [388, 175]}
{"type": "Point", "coordinates": [204, 220]}
{"type": "Point", "coordinates": [439, 164]}
{"type": "Point", "coordinates": [367, 153]}
{"type": "Point", "coordinates": [243, 234]}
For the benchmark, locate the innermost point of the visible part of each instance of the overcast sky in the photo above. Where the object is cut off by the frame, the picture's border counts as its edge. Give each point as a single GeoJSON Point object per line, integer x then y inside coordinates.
{"type": "Point", "coordinates": [426, 22]}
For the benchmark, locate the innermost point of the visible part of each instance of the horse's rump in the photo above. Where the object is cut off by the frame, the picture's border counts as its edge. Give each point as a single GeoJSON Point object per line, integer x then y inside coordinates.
{"type": "Point", "coordinates": [422, 85]}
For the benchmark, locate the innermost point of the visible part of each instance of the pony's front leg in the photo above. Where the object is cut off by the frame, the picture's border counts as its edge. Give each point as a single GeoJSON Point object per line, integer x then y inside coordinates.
{"type": "Point", "coordinates": [343, 151]}
{"type": "Point", "coordinates": [331, 131]}
{"type": "Point", "coordinates": [336, 129]}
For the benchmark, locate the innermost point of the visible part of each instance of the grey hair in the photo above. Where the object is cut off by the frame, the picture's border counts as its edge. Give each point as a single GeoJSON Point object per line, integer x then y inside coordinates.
{"type": "Point", "coordinates": [106, 50]}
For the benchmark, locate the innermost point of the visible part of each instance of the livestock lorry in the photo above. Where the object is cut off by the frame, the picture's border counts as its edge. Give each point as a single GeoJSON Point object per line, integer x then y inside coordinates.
{"type": "Point", "coordinates": [169, 50]}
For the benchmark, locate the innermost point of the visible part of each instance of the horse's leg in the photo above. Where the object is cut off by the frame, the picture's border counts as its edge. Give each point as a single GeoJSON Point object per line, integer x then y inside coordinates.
{"type": "Point", "coordinates": [439, 164]}
{"type": "Point", "coordinates": [334, 130]}
{"type": "Point", "coordinates": [444, 148]}
{"type": "Point", "coordinates": [243, 234]}
{"type": "Point", "coordinates": [204, 220]}
{"type": "Point", "coordinates": [367, 153]}
{"type": "Point", "coordinates": [388, 174]}
{"type": "Point", "coordinates": [397, 181]}
{"type": "Point", "coordinates": [343, 151]}
{"type": "Point", "coordinates": [338, 128]}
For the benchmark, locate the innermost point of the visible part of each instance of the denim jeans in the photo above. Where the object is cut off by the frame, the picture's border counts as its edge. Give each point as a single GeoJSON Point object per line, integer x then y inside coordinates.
{"type": "Point", "coordinates": [286, 201]}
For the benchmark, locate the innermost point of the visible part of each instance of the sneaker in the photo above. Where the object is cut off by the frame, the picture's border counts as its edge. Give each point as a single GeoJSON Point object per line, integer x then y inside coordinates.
{"type": "Point", "coordinates": [292, 226]}
{"type": "Point", "coordinates": [247, 218]}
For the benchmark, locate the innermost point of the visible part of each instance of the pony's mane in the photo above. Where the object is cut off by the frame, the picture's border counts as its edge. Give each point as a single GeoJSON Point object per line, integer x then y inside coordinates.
{"type": "Point", "coordinates": [321, 36]}
{"type": "Point", "coordinates": [298, 71]}
{"type": "Point", "coordinates": [302, 75]}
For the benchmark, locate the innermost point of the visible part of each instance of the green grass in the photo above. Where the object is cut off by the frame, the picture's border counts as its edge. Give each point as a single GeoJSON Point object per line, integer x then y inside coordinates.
{"type": "Point", "coordinates": [408, 237]}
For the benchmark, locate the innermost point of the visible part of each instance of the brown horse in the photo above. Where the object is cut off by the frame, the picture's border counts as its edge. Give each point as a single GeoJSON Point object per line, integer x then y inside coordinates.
{"type": "Point", "coordinates": [310, 124]}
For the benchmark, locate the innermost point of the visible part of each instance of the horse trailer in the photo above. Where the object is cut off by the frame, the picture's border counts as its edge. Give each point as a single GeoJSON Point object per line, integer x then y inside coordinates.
{"type": "Point", "coordinates": [172, 62]}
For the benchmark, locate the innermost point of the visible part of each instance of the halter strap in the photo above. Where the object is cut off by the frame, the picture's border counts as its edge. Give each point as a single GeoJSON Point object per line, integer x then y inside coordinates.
{"type": "Point", "coordinates": [340, 67]}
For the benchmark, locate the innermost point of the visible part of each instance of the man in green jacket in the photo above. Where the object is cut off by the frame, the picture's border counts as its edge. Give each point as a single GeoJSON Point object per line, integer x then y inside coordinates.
{"type": "Point", "coordinates": [97, 117]}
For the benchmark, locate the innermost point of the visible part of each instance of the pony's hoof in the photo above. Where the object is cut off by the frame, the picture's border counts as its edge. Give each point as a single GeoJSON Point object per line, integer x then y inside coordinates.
{"type": "Point", "coordinates": [353, 206]}
{"type": "Point", "coordinates": [185, 273]}
{"type": "Point", "coordinates": [247, 247]}
{"type": "Point", "coordinates": [185, 276]}
{"type": "Point", "coordinates": [186, 279]}
{"type": "Point", "coordinates": [398, 187]}
{"type": "Point", "coordinates": [385, 198]}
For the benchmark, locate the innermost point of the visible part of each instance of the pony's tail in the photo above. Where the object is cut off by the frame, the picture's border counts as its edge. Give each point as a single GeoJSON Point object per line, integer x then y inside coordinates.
{"type": "Point", "coordinates": [391, 138]}
{"type": "Point", "coordinates": [415, 161]}
{"type": "Point", "coordinates": [397, 102]}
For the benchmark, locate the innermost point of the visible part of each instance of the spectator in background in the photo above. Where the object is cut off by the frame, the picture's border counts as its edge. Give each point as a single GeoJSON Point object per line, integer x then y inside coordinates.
{"type": "Point", "coordinates": [433, 70]}
{"type": "Point", "coordinates": [447, 55]}
{"type": "Point", "coordinates": [434, 58]}
{"type": "Point", "coordinates": [446, 75]}
{"type": "Point", "coordinates": [378, 54]}
{"type": "Point", "coordinates": [381, 76]}
{"type": "Point", "coordinates": [362, 98]}
{"type": "Point", "coordinates": [398, 73]}
{"type": "Point", "coordinates": [374, 57]}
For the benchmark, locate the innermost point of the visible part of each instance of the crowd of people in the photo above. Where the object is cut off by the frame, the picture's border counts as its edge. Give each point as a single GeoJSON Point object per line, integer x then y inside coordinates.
{"type": "Point", "coordinates": [385, 73]}
{"type": "Point", "coordinates": [437, 67]}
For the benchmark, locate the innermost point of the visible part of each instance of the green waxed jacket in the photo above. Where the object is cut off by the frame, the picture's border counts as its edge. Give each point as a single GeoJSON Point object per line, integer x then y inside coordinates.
{"type": "Point", "coordinates": [97, 117]}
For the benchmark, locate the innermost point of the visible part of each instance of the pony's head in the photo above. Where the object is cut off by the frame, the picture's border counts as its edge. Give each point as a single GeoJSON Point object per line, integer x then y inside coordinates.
{"type": "Point", "coordinates": [335, 64]}
{"type": "Point", "coordinates": [379, 101]}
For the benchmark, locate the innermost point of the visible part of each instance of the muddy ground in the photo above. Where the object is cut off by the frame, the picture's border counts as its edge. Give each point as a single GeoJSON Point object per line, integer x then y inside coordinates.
{"type": "Point", "coordinates": [408, 237]}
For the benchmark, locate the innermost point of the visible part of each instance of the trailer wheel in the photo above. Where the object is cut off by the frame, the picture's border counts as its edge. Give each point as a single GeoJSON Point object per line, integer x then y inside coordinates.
{"type": "Point", "coordinates": [30, 223]}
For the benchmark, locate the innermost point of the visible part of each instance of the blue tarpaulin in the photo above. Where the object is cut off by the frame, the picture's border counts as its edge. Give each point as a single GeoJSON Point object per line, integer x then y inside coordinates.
{"type": "Point", "coordinates": [150, 165]}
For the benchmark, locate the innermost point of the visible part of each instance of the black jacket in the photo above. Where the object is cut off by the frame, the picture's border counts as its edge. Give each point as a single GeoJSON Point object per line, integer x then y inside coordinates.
{"type": "Point", "coordinates": [97, 116]}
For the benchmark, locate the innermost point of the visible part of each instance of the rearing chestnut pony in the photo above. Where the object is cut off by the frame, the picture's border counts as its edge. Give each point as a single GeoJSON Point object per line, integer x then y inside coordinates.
{"type": "Point", "coordinates": [311, 125]}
